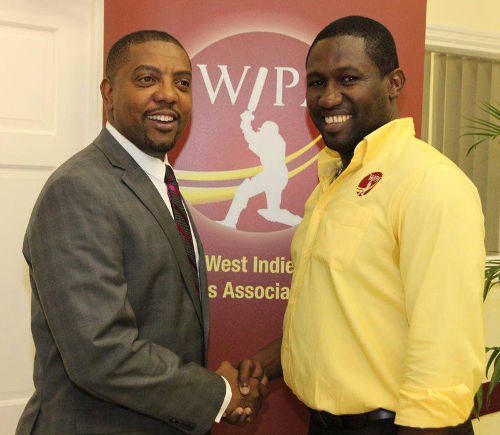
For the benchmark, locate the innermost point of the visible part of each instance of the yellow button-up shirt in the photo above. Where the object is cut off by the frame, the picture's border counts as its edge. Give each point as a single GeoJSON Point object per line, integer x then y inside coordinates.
{"type": "Point", "coordinates": [385, 309]}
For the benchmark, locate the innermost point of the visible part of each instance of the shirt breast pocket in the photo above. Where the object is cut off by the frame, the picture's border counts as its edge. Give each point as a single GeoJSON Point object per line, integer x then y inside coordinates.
{"type": "Point", "coordinates": [340, 233]}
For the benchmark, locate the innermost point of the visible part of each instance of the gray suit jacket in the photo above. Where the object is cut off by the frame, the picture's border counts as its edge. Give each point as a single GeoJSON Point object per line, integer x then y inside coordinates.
{"type": "Point", "coordinates": [119, 330]}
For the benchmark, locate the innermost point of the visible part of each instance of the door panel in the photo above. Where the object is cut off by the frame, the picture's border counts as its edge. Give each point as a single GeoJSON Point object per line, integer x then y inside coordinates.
{"type": "Point", "coordinates": [51, 53]}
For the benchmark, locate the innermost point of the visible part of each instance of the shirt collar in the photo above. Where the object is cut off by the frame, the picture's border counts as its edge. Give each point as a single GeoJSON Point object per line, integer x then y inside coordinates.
{"type": "Point", "coordinates": [371, 146]}
{"type": "Point", "coordinates": [149, 164]}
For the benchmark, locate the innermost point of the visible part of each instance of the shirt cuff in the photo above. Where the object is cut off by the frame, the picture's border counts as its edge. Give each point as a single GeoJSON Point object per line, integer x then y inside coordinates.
{"type": "Point", "coordinates": [434, 407]}
{"type": "Point", "coordinates": [225, 403]}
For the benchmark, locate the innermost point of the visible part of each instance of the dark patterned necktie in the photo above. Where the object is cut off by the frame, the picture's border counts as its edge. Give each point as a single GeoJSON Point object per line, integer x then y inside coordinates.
{"type": "Point", "coordinates": [180, 217]}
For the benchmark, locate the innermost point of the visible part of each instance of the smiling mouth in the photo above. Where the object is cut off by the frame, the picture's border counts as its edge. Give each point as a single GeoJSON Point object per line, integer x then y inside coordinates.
{"type": "Point", "coordinates": [161, 118]}
{"type": "Point", "coordinates": [336, 119]}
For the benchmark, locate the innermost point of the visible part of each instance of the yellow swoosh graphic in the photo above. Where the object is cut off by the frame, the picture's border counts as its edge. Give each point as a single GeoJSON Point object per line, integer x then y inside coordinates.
{"type": "Point", "coordinates": [237, 173]}
{"type": "Point", "coordinates": [298, 153]}
{"type": "Point", "coordinates": [207, 195]}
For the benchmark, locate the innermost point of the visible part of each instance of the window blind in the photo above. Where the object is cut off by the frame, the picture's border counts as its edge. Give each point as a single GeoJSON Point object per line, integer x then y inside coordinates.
{"type": "Point", "coordinates": [454, 87]}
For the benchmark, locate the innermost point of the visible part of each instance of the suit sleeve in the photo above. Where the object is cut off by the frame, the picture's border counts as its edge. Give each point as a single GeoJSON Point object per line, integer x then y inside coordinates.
{"type": "Point", "coordinates": [75, 248]}
{"type": "Point", "coordinates": [442, 256]}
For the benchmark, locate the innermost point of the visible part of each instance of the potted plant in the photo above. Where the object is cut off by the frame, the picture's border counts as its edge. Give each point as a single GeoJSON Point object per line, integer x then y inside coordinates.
{"type": "Point", "coordinates": [483, 130]}
{"type": "Point", "coordinates": [492, 277]}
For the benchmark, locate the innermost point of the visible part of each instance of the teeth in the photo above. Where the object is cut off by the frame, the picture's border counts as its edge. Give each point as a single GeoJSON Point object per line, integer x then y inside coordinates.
{"type": "Point", "coordinates": [162, 118]}
{"type": "Point", "coordinates": [337, 119]}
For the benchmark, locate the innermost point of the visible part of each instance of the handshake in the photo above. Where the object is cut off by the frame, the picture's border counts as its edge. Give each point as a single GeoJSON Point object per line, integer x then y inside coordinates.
{"type": "Point", "coordinates": [248, 384]}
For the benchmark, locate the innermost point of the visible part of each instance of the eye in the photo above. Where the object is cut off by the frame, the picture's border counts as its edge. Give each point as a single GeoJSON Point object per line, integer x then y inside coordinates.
{"type": "Point", "coordinates": [316, 83]}
{"type": "Point", "coordinates": [348, 80]}
{"type": "Point", "coordinates": [183, 83]}
{"type": "Point", "coordinates": [146, 80]}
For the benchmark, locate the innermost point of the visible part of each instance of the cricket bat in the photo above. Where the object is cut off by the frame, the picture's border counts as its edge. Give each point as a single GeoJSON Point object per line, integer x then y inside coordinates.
{"type": "Point", "coordinates": [257, 89]}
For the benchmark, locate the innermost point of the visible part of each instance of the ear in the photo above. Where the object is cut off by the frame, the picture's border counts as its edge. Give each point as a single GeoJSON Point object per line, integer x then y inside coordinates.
{"type": "Point", "coordinates": [107, 94]}
{"type": "Point", "coordinates": [395, 83]}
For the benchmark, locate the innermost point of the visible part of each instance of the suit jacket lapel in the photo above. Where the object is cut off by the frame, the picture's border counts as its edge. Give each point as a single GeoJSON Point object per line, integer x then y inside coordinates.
{"type": "Point", "coordinates": [139, 183]}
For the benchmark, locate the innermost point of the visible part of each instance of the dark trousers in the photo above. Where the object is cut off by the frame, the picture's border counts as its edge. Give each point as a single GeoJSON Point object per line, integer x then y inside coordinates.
{"type": "Point", "coordinates": [381, 427]}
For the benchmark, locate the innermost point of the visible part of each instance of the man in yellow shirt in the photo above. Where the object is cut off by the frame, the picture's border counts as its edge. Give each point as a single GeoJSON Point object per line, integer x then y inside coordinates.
{"type": "Point", "coordinates": [383, 329]}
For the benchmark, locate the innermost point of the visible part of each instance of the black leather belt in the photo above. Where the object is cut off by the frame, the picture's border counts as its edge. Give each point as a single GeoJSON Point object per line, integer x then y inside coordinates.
{"type": "Point", "coordinates": [349, 421]}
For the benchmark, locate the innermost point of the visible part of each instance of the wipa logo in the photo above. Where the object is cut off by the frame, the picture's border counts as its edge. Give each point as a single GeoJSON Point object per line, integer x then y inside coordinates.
{"type": "Point", "coordinates": [249, 160]}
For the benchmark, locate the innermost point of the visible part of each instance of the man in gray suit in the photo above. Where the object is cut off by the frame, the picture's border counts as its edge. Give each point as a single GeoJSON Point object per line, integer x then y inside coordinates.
{"type": "Point", "coordinates": [119, 302]}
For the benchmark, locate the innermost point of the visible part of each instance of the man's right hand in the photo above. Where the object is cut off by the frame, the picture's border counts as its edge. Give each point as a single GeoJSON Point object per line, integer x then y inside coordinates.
{"type": "Point", "coordinates": [264, 366]}
{"type": "Point", "coordinates": [249, 369]}
{"type": "Point", "coordinates": [242, 408]}
{"type": "Point", "coordinates": [251, 380]}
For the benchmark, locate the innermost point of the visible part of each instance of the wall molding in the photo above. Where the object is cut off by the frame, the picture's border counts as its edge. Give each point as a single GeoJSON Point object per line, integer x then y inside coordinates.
{"type": "Point", "coordinates": [14, 402]}
{"type": "Point", "coordinates": [462, 41]}
{"type": "Point", "coordinates": [27, 167]}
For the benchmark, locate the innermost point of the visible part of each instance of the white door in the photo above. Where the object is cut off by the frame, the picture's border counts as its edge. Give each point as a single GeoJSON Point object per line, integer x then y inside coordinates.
{"type": "Point", "coordinates": [50, 66]}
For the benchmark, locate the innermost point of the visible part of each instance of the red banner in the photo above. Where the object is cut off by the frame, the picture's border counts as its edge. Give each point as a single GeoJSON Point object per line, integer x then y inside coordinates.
{"type": "Point", "coordinates": [247, 161]}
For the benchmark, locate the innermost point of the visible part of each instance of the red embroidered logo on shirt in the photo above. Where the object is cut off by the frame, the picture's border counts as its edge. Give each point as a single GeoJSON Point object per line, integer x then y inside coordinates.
{"type": "Point", "coordinates": [368, 183]}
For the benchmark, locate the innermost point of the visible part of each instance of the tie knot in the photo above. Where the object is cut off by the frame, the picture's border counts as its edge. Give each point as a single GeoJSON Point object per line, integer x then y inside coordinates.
{"type": "Point", "coordinates": [169, 175]}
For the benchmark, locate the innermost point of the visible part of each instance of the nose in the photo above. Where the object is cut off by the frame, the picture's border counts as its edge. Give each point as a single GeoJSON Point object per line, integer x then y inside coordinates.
{"type": "Point", "coordinates": [166, 92]}
{"type": "Point", "coordinates": [330, 97]}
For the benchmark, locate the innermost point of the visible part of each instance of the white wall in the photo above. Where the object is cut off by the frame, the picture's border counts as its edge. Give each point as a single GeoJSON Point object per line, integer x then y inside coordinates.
{"type": "Point", "coordinates": [483, 15]}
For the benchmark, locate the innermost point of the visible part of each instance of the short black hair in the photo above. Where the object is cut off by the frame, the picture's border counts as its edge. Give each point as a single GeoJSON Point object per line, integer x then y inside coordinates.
{"type": "Point", "coordinates": [379, 43]}
{"type": "Point", "coordinates": [118, 54]}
